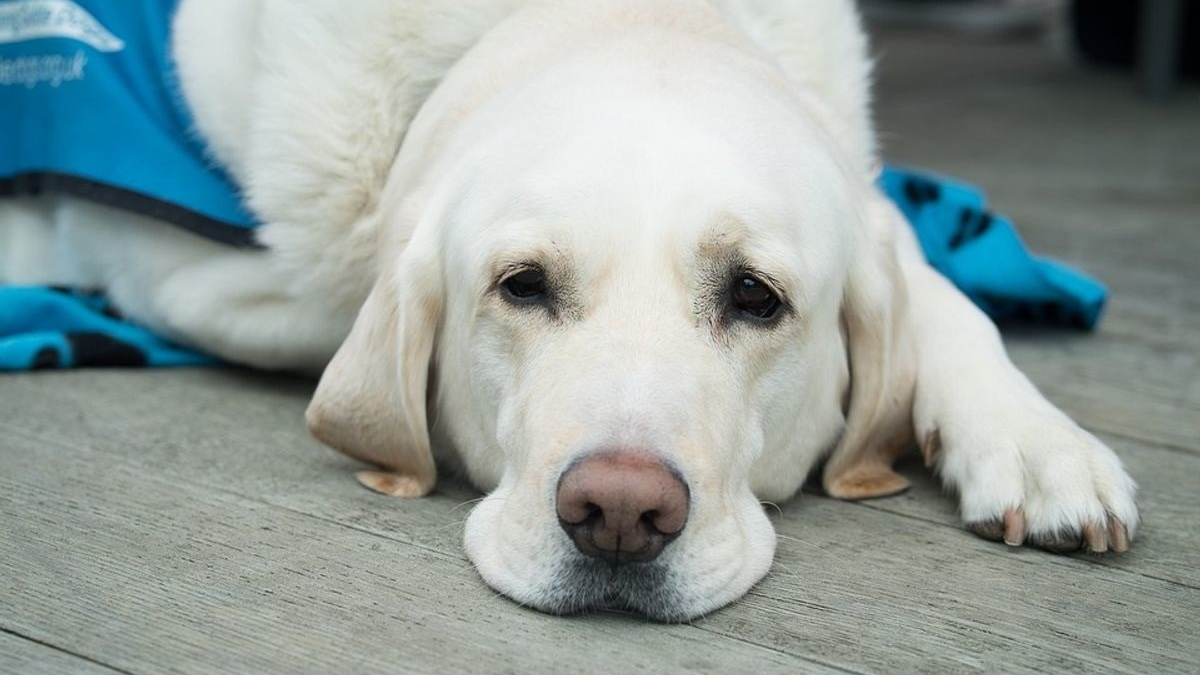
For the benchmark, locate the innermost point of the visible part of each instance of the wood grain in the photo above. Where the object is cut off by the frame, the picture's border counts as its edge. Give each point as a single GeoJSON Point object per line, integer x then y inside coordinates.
{"type": "Point", "coordinates": [157, 575]}
{"type": "Point", "coordinates": [899, 574]}
{"type": "Point", "coordinates": [20, 656]}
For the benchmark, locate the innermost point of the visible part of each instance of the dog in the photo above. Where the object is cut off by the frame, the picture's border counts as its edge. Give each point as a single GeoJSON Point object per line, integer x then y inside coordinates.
{"type": "Point", "coordinates": [621, 262]}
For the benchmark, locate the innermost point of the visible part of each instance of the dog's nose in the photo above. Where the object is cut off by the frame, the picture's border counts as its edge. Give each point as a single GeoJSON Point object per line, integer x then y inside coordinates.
{"type": "Point", "coordinates": [622, 506]}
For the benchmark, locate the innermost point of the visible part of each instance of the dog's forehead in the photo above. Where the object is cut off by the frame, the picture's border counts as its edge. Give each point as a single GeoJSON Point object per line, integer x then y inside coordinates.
{"type": "Point", "coordinates": [623, 163]}
{"type": "Point", "coordinates": [580, 129]}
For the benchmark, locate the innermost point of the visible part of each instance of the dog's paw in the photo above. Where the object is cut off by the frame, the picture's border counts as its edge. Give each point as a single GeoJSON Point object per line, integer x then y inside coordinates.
{"type": "Point", "coordinates": [1027, 474]}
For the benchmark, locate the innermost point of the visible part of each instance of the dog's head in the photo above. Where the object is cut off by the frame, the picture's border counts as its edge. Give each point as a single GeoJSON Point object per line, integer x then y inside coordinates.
{"type": "Point", "coordinates": [638, 297]}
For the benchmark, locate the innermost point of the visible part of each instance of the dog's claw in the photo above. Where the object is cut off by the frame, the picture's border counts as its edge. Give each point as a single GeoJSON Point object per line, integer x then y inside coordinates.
{"type": "Point", "coordinates": [930, 448]}
{"type": "Point", "coordinates": [1119, 534]}
{"type": "Point", "coordinates": [1096, 536]}
{"type": "Point", "coordinates": [1014, 526]}
{"type": "Point", "coordinates": [1010, 528]}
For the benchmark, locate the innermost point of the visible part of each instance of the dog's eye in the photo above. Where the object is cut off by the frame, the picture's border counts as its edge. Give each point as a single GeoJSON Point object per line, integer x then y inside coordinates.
{"type": "Point", "coordinates": [525, 286]}
{"type": "Point", "coordinates": [752, 297]}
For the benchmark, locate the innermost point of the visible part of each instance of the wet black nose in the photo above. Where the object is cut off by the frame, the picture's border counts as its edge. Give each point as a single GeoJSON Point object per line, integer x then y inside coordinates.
{"type": "Point", "coordinates": [622, 506]}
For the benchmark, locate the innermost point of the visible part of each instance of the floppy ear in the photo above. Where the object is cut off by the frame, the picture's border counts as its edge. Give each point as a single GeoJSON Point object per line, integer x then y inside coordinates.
{"type": "Point", "coordinates": [370, 403]}
{"type": "Point", "coordinates": [882, 368]}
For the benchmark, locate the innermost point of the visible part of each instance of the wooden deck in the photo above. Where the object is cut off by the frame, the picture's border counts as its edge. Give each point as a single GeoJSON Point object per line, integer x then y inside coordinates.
{"type": "Point", "coordinates": [183, 521]}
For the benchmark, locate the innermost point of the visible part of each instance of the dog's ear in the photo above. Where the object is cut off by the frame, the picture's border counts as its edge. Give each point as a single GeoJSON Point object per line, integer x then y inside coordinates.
{"type": "Point", "coordinates": [371, 401]}
{"type": "Point", "coordinates": [882, 367]}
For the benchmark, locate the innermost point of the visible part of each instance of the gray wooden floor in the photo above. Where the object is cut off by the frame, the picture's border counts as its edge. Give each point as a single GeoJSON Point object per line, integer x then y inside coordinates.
{"type": "Point", "coordinates": [183, 522]}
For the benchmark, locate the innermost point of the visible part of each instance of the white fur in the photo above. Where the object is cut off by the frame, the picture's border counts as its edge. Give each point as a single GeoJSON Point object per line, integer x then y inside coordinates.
{"type": "Point", "coordinates": [420, 147]}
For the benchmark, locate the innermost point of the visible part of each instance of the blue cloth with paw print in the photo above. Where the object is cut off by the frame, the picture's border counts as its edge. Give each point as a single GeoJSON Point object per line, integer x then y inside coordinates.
{"type": "Point", "coordinates": [981, 253]}
{"type": "Point", "coordinates": [49, 327]}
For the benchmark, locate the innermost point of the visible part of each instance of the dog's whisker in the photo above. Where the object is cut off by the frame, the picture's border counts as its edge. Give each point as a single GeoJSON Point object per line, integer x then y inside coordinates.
{"type": "Point", "coordinates": [787, 571]}
{"type": "Point", "coordinates": [468, 502]}
{"type": "Point", "coordinates": [774, 506]}
{"type": "Point", "coordinates": [804, 543]}
{"type": "Point", "coordinates": [456, 524]}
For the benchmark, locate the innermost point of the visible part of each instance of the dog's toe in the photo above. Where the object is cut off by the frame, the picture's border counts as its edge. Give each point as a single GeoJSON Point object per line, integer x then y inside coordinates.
{"type": "Point", "coordinates": [1118, 535]}
{"type": "Point", "coordinates": [992, 530]}
{"type": "Point", "coordinates": [1009, 528]}
{"type": "Point", "coordinates": [1092, 537]}
{"type": "Point", "coordinates": [1059, 542]}
{"type": "Point", "coordinates": [1014, 526]}
{"type": "Point", "coordinates": [1038, 479]}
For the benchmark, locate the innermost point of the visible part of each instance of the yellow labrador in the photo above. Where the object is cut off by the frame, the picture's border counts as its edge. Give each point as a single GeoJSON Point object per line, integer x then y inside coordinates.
{"type": "Point", "coordinates": [623, 262]}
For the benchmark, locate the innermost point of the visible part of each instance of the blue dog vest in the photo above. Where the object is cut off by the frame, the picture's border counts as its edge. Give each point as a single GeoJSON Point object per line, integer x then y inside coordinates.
{"type": "Point", "coordinates": [89, 106]}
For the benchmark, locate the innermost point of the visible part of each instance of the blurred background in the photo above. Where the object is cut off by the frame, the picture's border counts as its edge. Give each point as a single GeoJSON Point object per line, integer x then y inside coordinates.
{"type": "Point", "coordinates": [1155, 40]}
{"type": "Point", "coordinates": [1047, 105]}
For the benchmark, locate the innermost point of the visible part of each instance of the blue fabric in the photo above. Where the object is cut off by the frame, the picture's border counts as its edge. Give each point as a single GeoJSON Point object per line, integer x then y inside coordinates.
{"type": "Point", "coordinates": [42, 327]}
{"type": "Point", "coordinates": [88, 104]}
{"type": "Point", "coordinates": [981, 253]}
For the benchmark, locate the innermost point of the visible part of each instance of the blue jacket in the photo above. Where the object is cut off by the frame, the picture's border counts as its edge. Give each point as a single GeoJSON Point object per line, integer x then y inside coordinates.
{"type": "Point", "coordinates": [90, 89]}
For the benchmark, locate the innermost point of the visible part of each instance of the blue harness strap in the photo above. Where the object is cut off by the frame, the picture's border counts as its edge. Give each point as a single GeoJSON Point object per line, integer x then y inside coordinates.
{"type": "Point", "coordinates": [91, 91]}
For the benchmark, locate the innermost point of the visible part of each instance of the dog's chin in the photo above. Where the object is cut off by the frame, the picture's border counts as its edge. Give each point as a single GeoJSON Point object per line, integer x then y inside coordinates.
{"type": "Point", "coordinates": [587, 584]}
{"type": "Point", "coordinates": [583, 585]}
{"type": "Point", "coordinates": [552, 577]}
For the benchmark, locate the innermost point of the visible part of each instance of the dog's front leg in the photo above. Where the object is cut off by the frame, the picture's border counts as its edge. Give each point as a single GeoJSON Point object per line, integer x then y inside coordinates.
{"type": "Point", "coordinates": [1024, 472]}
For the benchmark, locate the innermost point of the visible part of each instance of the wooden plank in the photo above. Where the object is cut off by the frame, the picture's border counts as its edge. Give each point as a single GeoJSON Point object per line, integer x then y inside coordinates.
{"type": "Point", "coordinates": [260, 419]}
{"type": "Point", "coordinates": [231, 430]}
{"type": "Point", "coordinates": [151, 574]}
{"type": "Point", "coordinates": [895, 595]}
{"type": "Point", "coordinates": [25, 657]}
{"type": "Point", "coordinates": [1020, 121]}
{"type": "Point", "coordinates": [854, 587]}
{"type": "Point", "coordinates": [1112, 385]}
